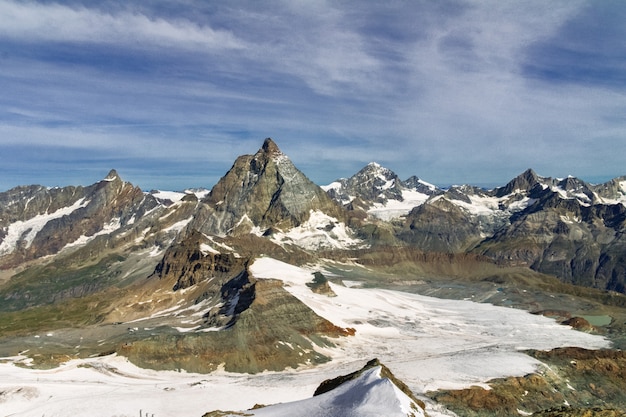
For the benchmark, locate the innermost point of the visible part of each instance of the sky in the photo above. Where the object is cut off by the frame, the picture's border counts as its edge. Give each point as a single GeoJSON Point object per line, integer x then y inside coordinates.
{"type": "Point", "coordinates": [169, 93]}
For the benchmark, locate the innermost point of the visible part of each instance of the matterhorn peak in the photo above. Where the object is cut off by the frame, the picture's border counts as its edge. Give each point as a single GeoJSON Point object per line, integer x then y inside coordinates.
{"type": "Point", "coordinates": [270, 147]}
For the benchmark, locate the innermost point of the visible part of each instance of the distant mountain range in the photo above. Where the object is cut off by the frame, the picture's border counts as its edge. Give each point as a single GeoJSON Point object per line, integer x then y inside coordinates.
{"type": "Point", "coordinates": [180, 262]}
{"type": "Point", "coordinates": [564, 227]}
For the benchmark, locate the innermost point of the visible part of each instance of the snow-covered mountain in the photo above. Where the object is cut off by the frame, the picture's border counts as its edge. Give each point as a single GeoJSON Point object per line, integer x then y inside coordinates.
{"type": "Point", "coordinates": [565, 227]}
{"type": "Point", "coordinates": [263, 273]}
{"type": "Point", "coordinates": [380, 192]}
{"type": "Point", "coordinates": [371, 392]}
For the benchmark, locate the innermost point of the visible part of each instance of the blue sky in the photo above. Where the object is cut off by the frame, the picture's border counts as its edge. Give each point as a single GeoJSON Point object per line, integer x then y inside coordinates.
{"type": "Point", "coordinates": [169, 93]}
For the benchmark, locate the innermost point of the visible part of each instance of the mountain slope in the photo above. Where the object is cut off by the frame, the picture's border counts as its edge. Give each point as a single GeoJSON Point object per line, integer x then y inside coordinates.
{"type": "Point", "coordinates": [372, 391]}
{"type": "Point", "coordinates": [38, 221]}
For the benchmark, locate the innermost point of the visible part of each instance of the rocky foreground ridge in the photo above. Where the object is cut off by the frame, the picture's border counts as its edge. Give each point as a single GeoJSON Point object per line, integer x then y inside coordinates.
{"type": "Point", "coordinates": [102, 258]}
{"type": "Point", "coordinates": [371, 391]}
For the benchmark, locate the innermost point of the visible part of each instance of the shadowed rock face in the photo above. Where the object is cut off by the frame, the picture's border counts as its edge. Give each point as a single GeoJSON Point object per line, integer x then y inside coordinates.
{"type": "Point", "coordinates": [263, 190]}
{"type": "Point", "coordinates": [184, 264]}
{"type": "Point", "coordinates": [580, 244]}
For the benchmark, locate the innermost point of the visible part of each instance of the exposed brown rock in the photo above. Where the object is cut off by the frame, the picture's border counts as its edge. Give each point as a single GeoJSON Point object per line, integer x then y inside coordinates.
{"type": "Point", "coordinates": [579, 377]}
{"type": "Point", "coordinates": [580, 324]}
{"type": "Point", "coordinates": [250, 344]}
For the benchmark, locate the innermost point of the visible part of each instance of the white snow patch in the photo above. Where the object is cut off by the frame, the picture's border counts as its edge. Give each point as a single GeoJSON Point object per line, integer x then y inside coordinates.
{"type": "Point", "coordinates": [319, 231]}
{"type": "Point", "coordinates": [178, 226]}
{"type": "Point", "coordinates": [173, 196]}
{"type": "Point", "coordinates": [570, 220]}
{"type": "Point", "coordinates": [28, 229]}
{"type": "Point", "coordinates": [206, 249]}
{"type": "Point", "coordinates": [432, 343]}
{"type": "Point", "coordinates": [107, 229]}
{"type": "Point", "coordinates": [332, 186]}
{"type": "Point", "coordinates": [427, 184]}
{"type": "Point", "coordinates": [395, 208]}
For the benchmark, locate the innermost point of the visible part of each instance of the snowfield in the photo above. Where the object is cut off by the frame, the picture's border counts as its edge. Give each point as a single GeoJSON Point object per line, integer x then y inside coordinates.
{"type": "Point", "coordinates": [426, 342]}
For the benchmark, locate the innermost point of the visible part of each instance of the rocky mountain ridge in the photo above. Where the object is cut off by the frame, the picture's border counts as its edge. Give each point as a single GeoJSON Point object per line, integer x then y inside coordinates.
{"type": "Point", "coordinates": [371, 391]}
{"type": "Point", "coordinates": [166, 279]}
{"type": "Point", "coordinates": [564, 227]}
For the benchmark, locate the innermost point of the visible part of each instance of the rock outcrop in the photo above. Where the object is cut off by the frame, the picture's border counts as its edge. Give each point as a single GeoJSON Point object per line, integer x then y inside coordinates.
{"type": "Point", "coordinates": [268, 329]}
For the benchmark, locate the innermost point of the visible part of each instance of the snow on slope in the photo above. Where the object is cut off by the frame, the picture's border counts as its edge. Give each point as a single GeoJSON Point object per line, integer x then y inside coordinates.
{"type": "Point", "coordinates": [28, 229]}
{"type": "Point", "coordinates": [394, 208]}
{"type": "Point", "coordinates": [428, 343]}
{"type": "Point", "coordinates": [319, 231]}
{"type": "Point", "coordinates": [621, 198]}
{"type": "Point", "coordinates": [368, 395]}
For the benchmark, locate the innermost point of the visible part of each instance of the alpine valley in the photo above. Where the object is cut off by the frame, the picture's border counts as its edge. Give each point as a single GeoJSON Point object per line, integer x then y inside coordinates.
{"type": "Point", "coordinates": [268, 289]}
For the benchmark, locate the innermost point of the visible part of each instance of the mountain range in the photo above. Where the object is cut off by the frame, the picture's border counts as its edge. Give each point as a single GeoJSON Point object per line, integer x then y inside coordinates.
{"type": "Point", "coordinates": [185, 264]}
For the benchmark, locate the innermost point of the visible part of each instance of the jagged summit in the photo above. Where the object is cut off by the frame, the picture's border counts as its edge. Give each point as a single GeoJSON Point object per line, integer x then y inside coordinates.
{"type": "Point", "coordinates": [523, 182]}
{"type": "Point", "coordinates": [270, 147]}
{"type": "Point", "coordinates": [380, 192]}
{"type": "Point", "coordinates": [263, 190]}
{"type": "Point", "coordinates": [112, 175]}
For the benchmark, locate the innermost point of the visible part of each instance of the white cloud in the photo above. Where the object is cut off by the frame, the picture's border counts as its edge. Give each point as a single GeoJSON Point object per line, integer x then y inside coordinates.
{"type": "Point", "coordinates": [435, 89]}
{"type": "Point", "coordinates": [56, 22]}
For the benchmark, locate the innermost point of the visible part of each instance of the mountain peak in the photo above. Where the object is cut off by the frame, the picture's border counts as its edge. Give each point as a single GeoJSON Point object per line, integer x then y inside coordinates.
{"type": "Point", "coordinates": [264, 190]}
{"type": "Point", "coordinates": [112, 176]}
{"type": "Point", "coordinates": [523, 182]}
{"type": "Point", "coordinates": [270, 147]}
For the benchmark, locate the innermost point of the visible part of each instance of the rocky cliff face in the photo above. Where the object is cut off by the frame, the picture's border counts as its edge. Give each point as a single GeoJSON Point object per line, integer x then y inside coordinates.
{"type": "Point", "coordinates": [579, 243]}
{"type": "Point", "coordinates": [263, 191]}
{"type": "Point", "coordinates": [267, 329]}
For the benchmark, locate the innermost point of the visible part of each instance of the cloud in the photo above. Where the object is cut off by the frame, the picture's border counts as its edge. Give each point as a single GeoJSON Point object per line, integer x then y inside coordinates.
{"type": "Point", "coordinates": [450, 90]}
{"type": "Point", "coordinates": [53, 22]}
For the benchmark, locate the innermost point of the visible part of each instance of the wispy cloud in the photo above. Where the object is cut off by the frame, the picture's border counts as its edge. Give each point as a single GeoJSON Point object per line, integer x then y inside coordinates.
{"type": "Point", "coordinates": [450, 90]}
{"type": "Point", "coordinates": [50, 22]}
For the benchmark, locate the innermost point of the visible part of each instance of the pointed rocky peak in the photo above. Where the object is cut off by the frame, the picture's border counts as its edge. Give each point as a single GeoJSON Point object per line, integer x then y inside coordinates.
{"type": "Point", "coordinates": [374, 170]}
{"type": "Point", "coordinates": [264, 190]}
{"type": "Point", "coordinates": [415, 183]}
{"type": "Point", "coordinates": [573, 184]}
{"type": "Point", "coordinates": [112, 175]}
{"type": "Point", "coordinates": [270, 148]}
{"type": "Point", "coordinates": [523, 182]}
{"type": "Point", "coordinates": [372, 184]}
